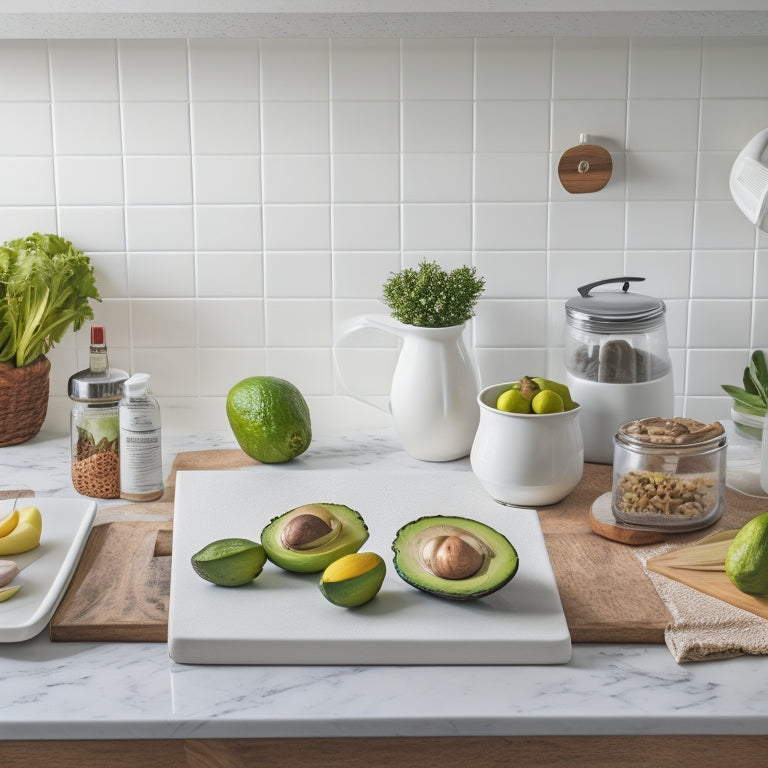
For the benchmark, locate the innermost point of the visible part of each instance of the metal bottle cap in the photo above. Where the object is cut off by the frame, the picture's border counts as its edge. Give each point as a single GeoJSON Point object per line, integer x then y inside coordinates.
{"type": "Point", "coordinates": [89, 387]}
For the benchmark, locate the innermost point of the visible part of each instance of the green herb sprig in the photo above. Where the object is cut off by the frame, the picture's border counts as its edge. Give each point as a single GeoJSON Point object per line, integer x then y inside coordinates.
{"type": "Point", "coordinates": [752, 398]}
{"type": "Point", "coordinates": [430, 297]}
{"type": "Point", "coordinates": [45, 285]}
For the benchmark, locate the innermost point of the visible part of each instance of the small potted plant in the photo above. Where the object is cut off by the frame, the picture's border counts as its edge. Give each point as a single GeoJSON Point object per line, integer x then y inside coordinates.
{"type": "Point", "coordinates": [45, 287]}
{"type": "Point", "coordinates": [430, 297]}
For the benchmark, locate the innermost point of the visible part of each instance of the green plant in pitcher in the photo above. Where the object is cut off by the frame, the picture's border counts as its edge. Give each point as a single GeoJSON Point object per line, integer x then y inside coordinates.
{"type": "Point", "coordinates": [430, 297]}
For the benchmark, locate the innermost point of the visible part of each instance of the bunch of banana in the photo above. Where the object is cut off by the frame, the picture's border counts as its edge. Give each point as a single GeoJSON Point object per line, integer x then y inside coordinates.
{"type": "Point", "coordinates": [533, 394]}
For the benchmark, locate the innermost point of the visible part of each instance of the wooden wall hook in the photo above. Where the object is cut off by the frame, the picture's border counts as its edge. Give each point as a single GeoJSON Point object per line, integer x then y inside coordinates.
{"type": "Point", "coordinates": [585, 167]}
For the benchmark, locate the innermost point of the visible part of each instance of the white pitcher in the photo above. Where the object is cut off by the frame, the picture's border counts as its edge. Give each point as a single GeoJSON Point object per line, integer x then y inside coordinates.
{"type": "Point", "coordinates": [433, 398]}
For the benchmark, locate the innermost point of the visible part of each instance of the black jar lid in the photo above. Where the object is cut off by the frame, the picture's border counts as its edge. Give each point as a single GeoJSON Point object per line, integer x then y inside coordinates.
{"type": "Point", "coordinates": [614, 311]}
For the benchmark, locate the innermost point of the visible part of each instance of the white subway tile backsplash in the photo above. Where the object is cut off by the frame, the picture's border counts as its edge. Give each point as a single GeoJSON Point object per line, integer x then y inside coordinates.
{"type": "Point", "coordinates": [227, 179]}
{"type": "Point", "coordinates": [153, 70]}
{"type": "Point", "coordinates": [225, 127]}
{"type": "Point", "coordinates": [92, 228]}
{"type": "Point", "coordinates": [242, 198]}
{"type": "Point", "coordinates": [89, 180]}
{"type": "Point", "coordinates": [365, 69]}
{"type": "Point", "coordinates": [662, 125]}
{"type": "Point", "coordinates": [83, 70]}
{"type": "Point", "coordinates": [223, 323]}
{"type": "Point", "coordinates": [362, 273]}
{"type": "Point", "coordinates": [667, 67]}
{"type": "Point", "coordinates": [228, 227]}
{"type": "Point", "coordinates": [365, 178]}
{"type": "Point", "coordinates": [24, 71]}
{"type": "Point", "coordinates": [511, 177]}
{"type": "Point", "coordinates": [229, 274]}
{"type": "Point", "coordinates": [437, 68]}
{"type": "Point", "coordinates": [370, 127]}
{"type": "Point", "coordinates": [512, 126]}
{"type": "Point", "coordinates": [296, 178]}
{"type": "Point", "coordinates": [158, 180]}
{"type": "Point", "coordinates": [437, 178]}
{"type": "Point", "coordinates": [513, 68]}
{"type": "Point", "coordinates": [590, 68]}
{"type": "Point", "coordinates": [155, 128]}
{"type": "Point", "coordinates": [654, 225]}
{"type": "Point", "coordinates": [160, 275]}
{"type": "Point", "coordinates": [294, 70]}
{"type": "Point", "coordinates": [303, 274]}
{"type": "Point", "coordinates": [26, 181]}
{"type": "Point", "coordinates": [365, 227]}
{"type": "Point", "coordinates": [733, 67]}
{"type": "Point", "coordinates": [297, 227]}
{"type": "Point", "coordinates": [510, 226]}
{"type": "Point", "coordinates": [437, 126]}
{"type": "Point", "coordinates": [29, 132]}
{"type": "Point", "coordinates": [295, 127]}
{"type": "Point", "coordinates": [719, 323]}
{"type": "Point", "coordinates": [429, 227]}
{"type": "Point", "coordinates": [298, 323]}
{"type": "Point", "coordinates": [723, 274]}
{"type": "Point", "coordinates": [226, 69]}
{"type": "Point", "coordinates": [581, 225]}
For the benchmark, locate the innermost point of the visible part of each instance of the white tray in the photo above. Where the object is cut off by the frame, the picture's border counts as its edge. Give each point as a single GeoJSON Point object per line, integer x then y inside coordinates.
{"type": "Point", "coordinates": [46, 570]}
{"type": "Point", "coordinates": [282, 618]}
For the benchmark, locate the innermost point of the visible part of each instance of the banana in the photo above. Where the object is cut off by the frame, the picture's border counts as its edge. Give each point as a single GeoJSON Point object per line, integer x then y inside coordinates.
{"type": "Point", "coordinates": [7, 524]}
{"type": "Point", "coordinates": [25, 534]}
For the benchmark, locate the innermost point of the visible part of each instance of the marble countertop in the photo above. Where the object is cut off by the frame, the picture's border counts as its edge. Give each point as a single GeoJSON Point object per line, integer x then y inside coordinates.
{"type": "Point", "coordinates": [134, 690]}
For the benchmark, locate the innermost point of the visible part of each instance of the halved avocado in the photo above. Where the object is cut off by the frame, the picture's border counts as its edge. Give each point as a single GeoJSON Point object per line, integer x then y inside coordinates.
{"type": "Point", "coordinates": [453, 557]}
{"type": "Point", "coordinates": [309, 538]}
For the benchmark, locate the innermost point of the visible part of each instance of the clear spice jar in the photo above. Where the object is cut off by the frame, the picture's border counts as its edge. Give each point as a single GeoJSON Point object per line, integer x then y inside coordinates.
{"type": "Point", "coordinates": [94, 423]}
{"type": "Point", "coordinates": [669, 473]}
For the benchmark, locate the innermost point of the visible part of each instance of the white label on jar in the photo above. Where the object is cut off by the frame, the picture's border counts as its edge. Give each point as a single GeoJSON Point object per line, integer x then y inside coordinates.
{"type": "Point", "coordinates": [141, 458]}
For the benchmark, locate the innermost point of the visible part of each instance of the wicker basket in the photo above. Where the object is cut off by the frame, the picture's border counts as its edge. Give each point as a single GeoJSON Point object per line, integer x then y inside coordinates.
{"type": "Point", "coordinates": [23, 400]}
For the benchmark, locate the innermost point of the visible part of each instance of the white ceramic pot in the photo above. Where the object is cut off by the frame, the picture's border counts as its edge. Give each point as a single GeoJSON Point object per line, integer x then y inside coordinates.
{"type": "Point", "coordinates": [522, 459]}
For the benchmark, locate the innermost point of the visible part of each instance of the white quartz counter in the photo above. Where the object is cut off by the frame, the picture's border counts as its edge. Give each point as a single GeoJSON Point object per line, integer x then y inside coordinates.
{"type": "Point", "coordinates": [134, 691]}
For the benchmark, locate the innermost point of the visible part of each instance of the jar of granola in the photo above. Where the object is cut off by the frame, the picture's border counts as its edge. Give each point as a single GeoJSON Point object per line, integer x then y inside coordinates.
{"type": "Point", "coordinates": [95, 434]}
{"type": "Point", "coordinates": [669, 473]}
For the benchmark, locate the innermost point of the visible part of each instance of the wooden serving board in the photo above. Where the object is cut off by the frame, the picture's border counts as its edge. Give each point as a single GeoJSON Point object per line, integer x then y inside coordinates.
{"type": "Point", "coordinates": [605, 593]}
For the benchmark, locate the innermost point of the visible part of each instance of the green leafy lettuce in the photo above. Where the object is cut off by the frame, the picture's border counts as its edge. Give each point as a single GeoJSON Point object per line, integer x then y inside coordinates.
{"type": "Point", "coordinates": [45, 285]}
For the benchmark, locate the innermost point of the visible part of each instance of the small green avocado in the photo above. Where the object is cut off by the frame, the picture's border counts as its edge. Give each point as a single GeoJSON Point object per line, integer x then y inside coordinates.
{"type": "Point", "coordinates": [309, 538]}
{"type": "Point", "coordinates": [354, 579]}
{"type": "Point", "coordinates": [746, 562]}
{"type": "Point", "coordinates": [453, 557]}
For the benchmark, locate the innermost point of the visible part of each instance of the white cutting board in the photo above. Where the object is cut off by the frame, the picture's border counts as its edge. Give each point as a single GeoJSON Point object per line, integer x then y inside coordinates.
{"type": "Point", "coordinates": [282, 618]}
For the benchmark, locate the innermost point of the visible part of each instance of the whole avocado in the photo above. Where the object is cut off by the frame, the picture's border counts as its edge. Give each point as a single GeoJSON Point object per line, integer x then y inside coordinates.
{"type": "Point", "coordinates": [270, 419]}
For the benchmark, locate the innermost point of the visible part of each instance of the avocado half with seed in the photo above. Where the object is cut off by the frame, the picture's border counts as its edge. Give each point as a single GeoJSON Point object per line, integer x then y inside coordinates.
{"type": "Point", "coordinates": [309, 538]}
{"type": "Point", "coordinates": [453, 557]}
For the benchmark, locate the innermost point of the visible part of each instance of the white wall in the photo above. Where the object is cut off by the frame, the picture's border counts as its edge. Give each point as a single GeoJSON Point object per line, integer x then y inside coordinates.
{"type": "Point", "coordinates": [240, 198]}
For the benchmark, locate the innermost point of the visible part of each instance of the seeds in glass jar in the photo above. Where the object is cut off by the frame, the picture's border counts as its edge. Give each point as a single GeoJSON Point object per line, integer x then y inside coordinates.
{"type": "Point", "coordinates": [658, 493]}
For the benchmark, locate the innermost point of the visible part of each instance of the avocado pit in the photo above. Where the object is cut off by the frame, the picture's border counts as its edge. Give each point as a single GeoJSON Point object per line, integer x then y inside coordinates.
{"type": "Point", "coordinates": [452, 557]}
{"type": "Point", "coordinates": [311, 526]}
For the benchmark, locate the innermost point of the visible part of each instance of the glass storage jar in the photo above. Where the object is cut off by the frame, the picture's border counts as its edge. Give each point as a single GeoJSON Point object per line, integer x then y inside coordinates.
{"type": "Point", "coordinates": [669, 473]}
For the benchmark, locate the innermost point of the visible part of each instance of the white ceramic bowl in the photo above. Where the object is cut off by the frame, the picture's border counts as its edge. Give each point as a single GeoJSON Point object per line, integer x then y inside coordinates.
{"type": "Point", "coordinates": [522, 459]}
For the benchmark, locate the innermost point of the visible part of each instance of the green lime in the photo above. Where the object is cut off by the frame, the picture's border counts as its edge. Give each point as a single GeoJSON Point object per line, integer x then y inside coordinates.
{"type": "Point", "coordinates": [269, 418]}
{"type": "Point", "coordinates": [513, 401]}
{"type": "Point", "coordinates": [547, 401]}
{"type": "Point", "coordinates": [230, 562]}
{"type": "Point", "coordinates": [746, 562]}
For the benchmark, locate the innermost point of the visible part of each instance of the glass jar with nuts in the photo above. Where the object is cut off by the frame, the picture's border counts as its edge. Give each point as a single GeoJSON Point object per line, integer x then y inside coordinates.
{"type": "Point", "coordinates": [669, 473]}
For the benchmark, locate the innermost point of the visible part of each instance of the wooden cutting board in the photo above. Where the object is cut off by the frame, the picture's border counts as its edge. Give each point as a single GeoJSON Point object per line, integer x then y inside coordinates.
{"type": "Point", "coordinates": [121, 588]}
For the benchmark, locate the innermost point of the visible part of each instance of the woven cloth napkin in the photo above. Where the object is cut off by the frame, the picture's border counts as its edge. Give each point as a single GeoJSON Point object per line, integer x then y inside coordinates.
{"type": "Point", "coordinates": [703, 627]}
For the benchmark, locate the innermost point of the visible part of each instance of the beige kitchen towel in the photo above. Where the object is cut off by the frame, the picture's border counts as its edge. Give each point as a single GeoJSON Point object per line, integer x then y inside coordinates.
{"type": "Point", "coordinates": [703, 627]}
